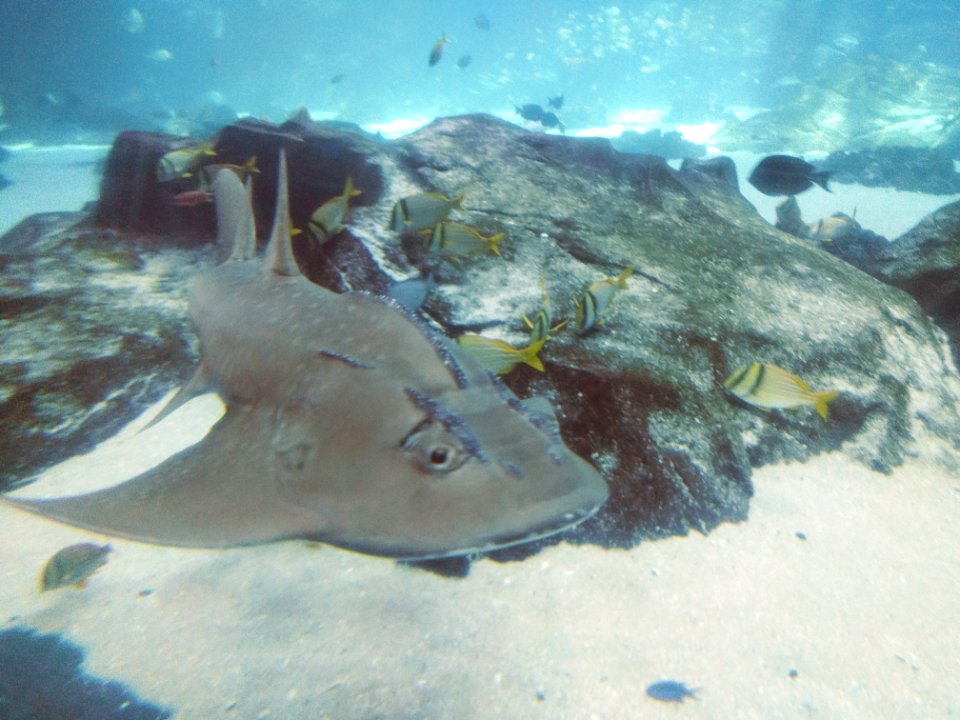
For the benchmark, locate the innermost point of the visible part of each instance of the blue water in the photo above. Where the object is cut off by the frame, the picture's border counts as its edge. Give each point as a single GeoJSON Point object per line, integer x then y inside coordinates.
{"type": "Point", "coordinates": [75, 67]}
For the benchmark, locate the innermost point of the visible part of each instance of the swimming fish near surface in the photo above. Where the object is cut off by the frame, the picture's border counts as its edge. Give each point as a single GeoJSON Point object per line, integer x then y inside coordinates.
{"type": "Point", "coordinates": [347, 422]}
{"type": "Point", "coordinates": [500, 357]}
{"type": "Point", "coordinates": [596, 298]}
{"type": "Point", "coordinates": [73, 565]}
{"type": "Point", "coordinates": [419, 212]}
{"type": "Point", "coordinates": [768, 386]}
{"type": "Point", "coordinates": [786, 175]}
{"type": "Point", "coordinates": [327, 220]}
{"type": "Point", "coordinates": [436, 52]}
{"type": "Point", "coordinates": [453, 239]}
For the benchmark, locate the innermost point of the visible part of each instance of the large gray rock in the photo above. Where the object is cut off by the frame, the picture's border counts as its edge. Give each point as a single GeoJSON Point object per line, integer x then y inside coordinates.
{"type": "Point", "coordinates": [925, 262]}
{"type": "Point", "coordinates": [94, 329]}
{"type": "Point", "coordinates": [716, 287]}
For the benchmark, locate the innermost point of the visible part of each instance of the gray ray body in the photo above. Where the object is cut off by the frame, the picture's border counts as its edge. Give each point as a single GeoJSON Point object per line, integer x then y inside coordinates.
{"type": "Point", "coordinates": [346, 422]}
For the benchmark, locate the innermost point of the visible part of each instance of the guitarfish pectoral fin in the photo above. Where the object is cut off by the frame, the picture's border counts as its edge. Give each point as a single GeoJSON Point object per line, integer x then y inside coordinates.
{"type": "Point", "coordinates": [220, 492]}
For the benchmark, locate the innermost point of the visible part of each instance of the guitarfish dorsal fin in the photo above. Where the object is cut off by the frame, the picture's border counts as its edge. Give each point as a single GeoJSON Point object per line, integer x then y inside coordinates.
{"type": "Point", "coordinates": [280, 259]}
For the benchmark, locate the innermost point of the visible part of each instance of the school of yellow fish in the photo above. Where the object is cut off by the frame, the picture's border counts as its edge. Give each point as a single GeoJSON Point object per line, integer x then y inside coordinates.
{"type": "Point", "coordinates": [762, 385]}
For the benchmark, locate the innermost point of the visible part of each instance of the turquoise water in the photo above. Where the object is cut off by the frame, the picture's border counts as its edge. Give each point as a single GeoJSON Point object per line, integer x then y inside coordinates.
{"type": "Point", "coordinates": [82, 68]}
{"type": "Point", "coordinates": [836, 599]}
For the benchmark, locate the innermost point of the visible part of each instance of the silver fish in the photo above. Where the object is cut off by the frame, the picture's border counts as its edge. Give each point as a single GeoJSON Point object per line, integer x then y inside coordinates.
{"type": "Point", "coordinates": [347, 422]}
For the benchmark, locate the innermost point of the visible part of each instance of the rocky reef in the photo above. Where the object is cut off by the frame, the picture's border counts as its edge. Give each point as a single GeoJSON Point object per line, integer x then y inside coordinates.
{"type": "Point", "coordinates": [924, 262]}
{"type": "Point", "coordinates": [902, 168]}
{"type": "Point", "coordinates": [95, 328]}
{"type": "Point", "coordinates": [715, 287]}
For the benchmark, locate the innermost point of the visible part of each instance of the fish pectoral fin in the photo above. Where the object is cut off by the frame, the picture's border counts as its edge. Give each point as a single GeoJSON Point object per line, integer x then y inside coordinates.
{"type": "Point", "coordinates": [196, 385]}
{"type": "Point", "coordinates": [222, 492]}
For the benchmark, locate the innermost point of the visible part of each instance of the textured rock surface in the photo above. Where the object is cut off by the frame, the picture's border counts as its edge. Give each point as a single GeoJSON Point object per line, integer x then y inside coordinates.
{"type": "Point", "coordinates": [903, 168]}
{"type": "Point", "coordinates": [715, 287]}
{"type": "Point", "coordinates": [925, 262]}
{"type": "Point", "coordinates": [94, 328]}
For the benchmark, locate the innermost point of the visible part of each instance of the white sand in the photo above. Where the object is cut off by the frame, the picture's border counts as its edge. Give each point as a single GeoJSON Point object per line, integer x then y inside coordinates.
{"type": "Point", "coordinates": [867, 610]}
{"type": "Point", "coordinates": [48, 179]}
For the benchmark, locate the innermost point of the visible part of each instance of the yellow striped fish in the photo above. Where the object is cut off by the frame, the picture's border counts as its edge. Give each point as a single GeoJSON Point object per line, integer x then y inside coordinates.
{"type": "Point", "coordinates": [499, 357]}
{"type": "Point", "coordinates": [419, 212]}
{"type": "Point", "coordinates": [769, 386]}
{"type": "Point", "coordinates": [540, 326]}
{"type": "Point", "coordinates": [453, 239]}
{"type": "Point", "coordinates": [327, 220]}
{"type": "Point", "coordinates": [596, 298]}
{"type": "Point", "coordinates": [183, 162]}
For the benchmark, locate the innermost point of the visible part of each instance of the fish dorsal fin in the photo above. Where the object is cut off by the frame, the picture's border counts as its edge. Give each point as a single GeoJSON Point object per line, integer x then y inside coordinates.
{"type": "Point", "coordinates": [235, 226]}
{"type": "Point", "coordinates": [280, 260]}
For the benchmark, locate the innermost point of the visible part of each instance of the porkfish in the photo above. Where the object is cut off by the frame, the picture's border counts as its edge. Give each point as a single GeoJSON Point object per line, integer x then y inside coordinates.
{"type": "Point", "coordinates": [347, 422]}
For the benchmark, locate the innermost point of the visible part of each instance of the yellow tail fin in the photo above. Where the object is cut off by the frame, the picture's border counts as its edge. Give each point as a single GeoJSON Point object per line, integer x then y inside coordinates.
{"type": "Point", "coordinates": [530, 354]}
{"type": "Point", "coordinates": [621, 281]}
{"type": "Point", "coordinates": [820, 400]}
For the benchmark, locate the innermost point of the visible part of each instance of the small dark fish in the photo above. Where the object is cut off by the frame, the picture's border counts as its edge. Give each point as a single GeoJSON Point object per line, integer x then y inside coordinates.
{"type": "Point", "coordinates": [786, 175]}
{"type": "Point", "coordinates": [73, 565]}
{"type": "Point", "coordinates": [481, 21]}
{"type": "Point", "coordinates": [437, 52]}
{"type": "Point", "coordinates": [531, 112]}
{"type": "Point", "coordinates": [335, 80]}
{"type": "Point", "coordinates": [464, 61]}
{"type": "Point", "coordinates": [670, 691]}
{"type": "Point", "coordinates": [550, 120]}
{"type": "Point", "coordinates": [556, 102]}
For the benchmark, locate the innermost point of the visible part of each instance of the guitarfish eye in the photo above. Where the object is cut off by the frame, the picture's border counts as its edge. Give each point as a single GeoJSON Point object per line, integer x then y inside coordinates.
{"type": "Point", "coordinates": [435, 449]}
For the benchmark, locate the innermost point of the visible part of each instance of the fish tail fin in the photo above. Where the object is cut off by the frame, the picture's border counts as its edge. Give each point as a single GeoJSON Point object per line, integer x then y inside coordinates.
{"type": "Point", "coordinates": [821, 179]}
{"type": "Point", "coordinates": [457, 201]}
{"type": "Point", "coordinates": [529, 354]}
{"type": "Point", "coordinates": [621, 281]}
{"type": "Point", "coordinates": [495, 241]}
{"type": "Point", "coordinates": [820, 400]}
{"type": "Point", "coordinates": [349, 190]}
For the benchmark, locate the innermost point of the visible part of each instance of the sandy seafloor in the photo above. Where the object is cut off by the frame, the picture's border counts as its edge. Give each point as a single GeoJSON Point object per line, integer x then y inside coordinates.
{"type": "Point", "coordinates": [866, 609]}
